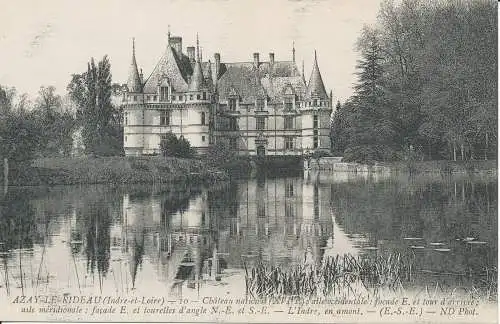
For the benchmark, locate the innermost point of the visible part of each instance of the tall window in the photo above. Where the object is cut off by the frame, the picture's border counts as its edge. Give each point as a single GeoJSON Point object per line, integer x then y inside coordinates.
{"type": "Point", "coordinates": [204, 95]}
{"type": "Point", "coordinates": [288, 143]}
{"type": "Point", "coordinates": [203, 118]}
{"type": "Point", "coordinates": [288, 103]}
{"type": "Point", "coordinates": [288, 122]}
{"type": "Point", "coordinates": [126, 118]}
{"type": "Point", "coordinates": [289, 210]}
{"type": "Point", "coordinates": [260, 104]}
{"type": "Point", "coordinates": [163, 93]}
{"type": "Point", "coordinates": [289, 189]}
{"type": "Point", "coordinates": [232, 104]}
{"type": "Point", "coordinates": [315, 138]}
{"type": "Point", "coordinates": [315, 121]}
{"type": "Point", "coordinates": [233, 144]}
{"type": "Point", "coordinates": [233, 124]}
{"type": "Point", "coordinates": [165, 118]}
{"type": "Point", "coordinates": [260, 123]}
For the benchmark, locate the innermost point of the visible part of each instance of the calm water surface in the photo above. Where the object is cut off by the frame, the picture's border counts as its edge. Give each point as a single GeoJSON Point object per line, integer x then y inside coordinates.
{"type": "Point", "coordinates": [182, 241]}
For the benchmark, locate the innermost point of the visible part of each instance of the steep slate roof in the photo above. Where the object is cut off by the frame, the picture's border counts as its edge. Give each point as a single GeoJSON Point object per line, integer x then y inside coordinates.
{"type": "Point", "coordinates": [316, 87]}
{"type": "Point", "coordinates": [175, 68]}
{"type": "Point", "coordinates": [134, 83]}
{"type": "Point", "coordinates": [275, 87]}
{"type": "Point", "coordinates": [251, 84]}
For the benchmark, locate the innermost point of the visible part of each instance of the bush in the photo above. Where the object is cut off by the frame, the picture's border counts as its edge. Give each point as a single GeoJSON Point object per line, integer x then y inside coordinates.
{"type": "Point", "coordinates": [220, 154]}
{"type": "Point", "coordinates": [171, 146]}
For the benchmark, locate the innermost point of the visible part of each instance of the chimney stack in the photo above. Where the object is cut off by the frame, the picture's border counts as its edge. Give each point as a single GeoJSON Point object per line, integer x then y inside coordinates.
{"type": "Point", "coordinates": [256, 60]}
{"type": "Point", "coordinates": [191, 53]}
{"type": "Point", "coordinates": [217, 66]}
{"type": "Point", "coordinates": [271, 58]}
{"type": "Point", "coordinates": [176, 43]}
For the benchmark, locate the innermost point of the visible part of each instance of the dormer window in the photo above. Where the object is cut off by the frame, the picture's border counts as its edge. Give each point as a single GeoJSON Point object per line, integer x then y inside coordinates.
{"type": "Point", "coordinates": [163, 93]}
{"type": "Point", "coordinates": [191, 97]}
{"type": "Point", "coordinates": [198, 96]}
{"type": "Point", "coordinates": [204, 95]}
{"type": "Point", "coordinates": [289, 102]}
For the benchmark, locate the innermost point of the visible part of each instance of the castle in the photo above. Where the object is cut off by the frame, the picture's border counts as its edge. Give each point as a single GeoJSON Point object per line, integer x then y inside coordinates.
{"type": "Point", "coordinates": [255, 108]}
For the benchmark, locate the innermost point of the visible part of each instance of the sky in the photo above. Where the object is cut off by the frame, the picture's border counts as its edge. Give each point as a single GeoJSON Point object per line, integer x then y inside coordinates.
{"type": "Point", "coordinates": [44, 42]}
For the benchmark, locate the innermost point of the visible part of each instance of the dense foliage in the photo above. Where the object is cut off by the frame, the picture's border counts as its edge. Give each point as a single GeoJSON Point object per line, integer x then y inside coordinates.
{"type": "Point", "coordinates": [173, 146]}
{"type": "Point", "coordinates": [99, 120]}
{"type": "Point", "coordinates": [427, 85]}
{"type": "Point", "coordinates": [28, 131]}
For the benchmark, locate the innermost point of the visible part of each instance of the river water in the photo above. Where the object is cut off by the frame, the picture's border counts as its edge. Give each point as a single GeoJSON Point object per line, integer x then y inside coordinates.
{"type": "Point", "coordinates": [189, 242]}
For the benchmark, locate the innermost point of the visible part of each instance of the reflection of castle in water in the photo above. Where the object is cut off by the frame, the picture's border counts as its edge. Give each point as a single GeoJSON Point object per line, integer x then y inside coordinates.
{"type": "Point", "coordinates": [275, 221]}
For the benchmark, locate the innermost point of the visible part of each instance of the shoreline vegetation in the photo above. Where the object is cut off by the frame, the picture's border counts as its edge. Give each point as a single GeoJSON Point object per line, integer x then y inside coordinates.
{"type": "Point", "coordinates": [340, 274]}
{"type": "Point", "coordinates": [161, 170]}
{"type": "Point", "coordinates": [442, 167]}
{"type": "Point", "coordinates": [114, 170]}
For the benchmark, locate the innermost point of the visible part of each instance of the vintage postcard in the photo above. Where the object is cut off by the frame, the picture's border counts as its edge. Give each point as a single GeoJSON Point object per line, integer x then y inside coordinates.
{"type": "Point", "coordinates": [295, 161]}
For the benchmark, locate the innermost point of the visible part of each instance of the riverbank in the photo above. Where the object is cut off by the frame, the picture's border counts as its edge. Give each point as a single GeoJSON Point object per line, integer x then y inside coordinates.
{"type": "Point", "coordinates": [114, 170]}
{"type": "Point", "coordinates": [334, 164]}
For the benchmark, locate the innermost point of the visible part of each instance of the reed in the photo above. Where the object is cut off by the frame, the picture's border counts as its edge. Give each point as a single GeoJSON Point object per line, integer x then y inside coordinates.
{"type": "Point", "coordinates": [347, 275]}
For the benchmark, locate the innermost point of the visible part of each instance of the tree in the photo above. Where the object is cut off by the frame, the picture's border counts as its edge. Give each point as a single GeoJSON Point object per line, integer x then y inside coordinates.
{"type": "Point", "coordinates": [171, 146]}
{"type": "Point", "coordinates": [339, 130]}
{"type": "Point", "coordinates": [58, 123]}
{"type": "Point", "coordinates": [427, 81]}
{"type": "Point", "coordinates": [91, 91]}
{"type": "Point", "coordinates": [371, 119]}
{"type": "Point", "coordinates": [21, 134]}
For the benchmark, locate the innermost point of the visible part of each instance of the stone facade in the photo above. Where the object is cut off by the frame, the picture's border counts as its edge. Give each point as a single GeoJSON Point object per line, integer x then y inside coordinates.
{"type": "Point", "coordinates": [256, 107]}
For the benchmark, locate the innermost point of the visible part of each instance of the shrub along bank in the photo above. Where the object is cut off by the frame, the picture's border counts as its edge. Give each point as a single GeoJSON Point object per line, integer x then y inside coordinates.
{"type": "Point", "coordinates": [118, 170]}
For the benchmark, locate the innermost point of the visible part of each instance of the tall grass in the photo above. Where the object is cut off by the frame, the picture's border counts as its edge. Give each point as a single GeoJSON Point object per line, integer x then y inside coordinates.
{"type": "Point", "coordinates": [348, 274]}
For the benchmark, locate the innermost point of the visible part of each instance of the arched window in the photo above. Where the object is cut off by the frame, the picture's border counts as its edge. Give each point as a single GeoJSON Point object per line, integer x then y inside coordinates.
{"type": "Point", "coordinates": [203, 118]}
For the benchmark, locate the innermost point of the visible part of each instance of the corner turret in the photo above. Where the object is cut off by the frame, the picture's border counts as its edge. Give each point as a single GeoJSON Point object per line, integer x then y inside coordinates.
{"type": "Point", "coordinates": [134, 82]}
{"type": "Point", "coordinates": [316, 87]}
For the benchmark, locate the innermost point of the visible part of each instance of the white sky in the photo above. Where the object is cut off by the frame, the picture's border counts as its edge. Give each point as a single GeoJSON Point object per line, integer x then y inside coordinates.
{"type": "Point", "coordinates": [44, 42]}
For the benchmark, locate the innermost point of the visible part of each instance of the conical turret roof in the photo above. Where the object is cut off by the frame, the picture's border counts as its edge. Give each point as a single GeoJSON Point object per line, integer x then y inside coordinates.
{"type": "Point", "coordinates": [316, 87]}
{"type": "Point", "coordinates": [197, 80]}
{"type": "Point", "coordinates": [134, 82]}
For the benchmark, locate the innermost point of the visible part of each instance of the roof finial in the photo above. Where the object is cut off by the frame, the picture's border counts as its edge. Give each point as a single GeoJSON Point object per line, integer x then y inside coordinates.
{"type": "Point", "coordinates": [197, 47]}
{"type": "Point", "coordinates": [133, 46]}
{"type": "Point", "coordinates": [168, 34]}
{"type": "Point", "coordinates": [315, 57]}
{"type": "Point", "coordinates": [293, 51]}
{"type": "Point", "coordinates": [303, 68]}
